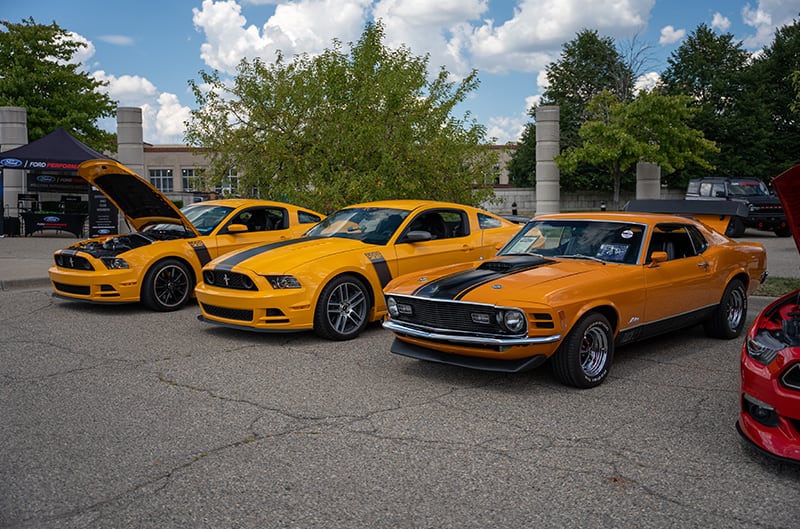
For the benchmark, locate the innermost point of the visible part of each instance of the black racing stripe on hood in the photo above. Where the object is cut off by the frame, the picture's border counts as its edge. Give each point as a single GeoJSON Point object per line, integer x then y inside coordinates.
{"type": "Point", "coordinates": [246, 254]}
{"type": "Point", "coordinates": [457, 285]}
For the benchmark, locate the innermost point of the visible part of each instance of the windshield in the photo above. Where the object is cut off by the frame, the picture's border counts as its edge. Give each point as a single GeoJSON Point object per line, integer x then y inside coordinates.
{"type": "Point", "coordinates": [205, 217]}
{"type": "Point", "coordinates": [748, 188]}
{"type": "Point", "coordinates": [615, 242]}
{"type": "Point", "coordinates": [369, 225]}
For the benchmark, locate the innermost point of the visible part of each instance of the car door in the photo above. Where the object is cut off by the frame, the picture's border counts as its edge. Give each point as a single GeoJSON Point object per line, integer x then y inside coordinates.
{"type": "Point", "coordinates": [684, 282]}
{"type": "Point", "coordinates": [450, 241]}
{"type": "Point", "coordinates": [264, 224]}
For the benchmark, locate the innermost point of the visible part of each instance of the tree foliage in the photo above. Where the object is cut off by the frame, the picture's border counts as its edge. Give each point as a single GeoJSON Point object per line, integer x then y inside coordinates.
{"type": "Point", "coordinates": [38, 74]}
{"type": "Point", "coordinates": [589, 65]}
{"type": "Point", "coordinates": [341, 128]}
{"type": "Point", "coordinates": [651, 128]}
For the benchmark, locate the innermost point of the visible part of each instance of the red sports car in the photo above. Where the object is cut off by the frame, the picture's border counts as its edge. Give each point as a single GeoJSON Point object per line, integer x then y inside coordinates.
{"type": "Point", "coordinates": [770, 395]}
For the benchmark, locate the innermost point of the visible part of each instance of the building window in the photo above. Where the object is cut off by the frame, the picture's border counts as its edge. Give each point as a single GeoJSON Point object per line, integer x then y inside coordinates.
{"type": "Point", "coordinates": [161, 179]}
{"type": "Point", "coordinates": [230, 183]}
{"type": "Point", "coordinates": [191, 178]}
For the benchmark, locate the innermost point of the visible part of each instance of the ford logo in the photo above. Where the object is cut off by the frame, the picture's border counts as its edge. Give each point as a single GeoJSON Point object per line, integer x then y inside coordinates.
{"type": "Point", "coordinates": [52, 219]}
{"type": "Point", "coordinates": [10, 162]}
{"type": "Point", "coordinates": [103, 232]}
{"type": "Point", "coordinates": [46, 178]}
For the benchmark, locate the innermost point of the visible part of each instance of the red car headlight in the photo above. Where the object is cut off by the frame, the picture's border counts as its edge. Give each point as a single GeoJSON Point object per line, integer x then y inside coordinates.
{"type": "Point", "coordinates": [764, 347]}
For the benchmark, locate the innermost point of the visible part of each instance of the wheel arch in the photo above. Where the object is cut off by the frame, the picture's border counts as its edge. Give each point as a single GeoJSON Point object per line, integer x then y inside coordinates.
{"type": "Point", "coordinates": [174, 257]}
{"type": "Point", "coordinates": [354, 273]}
{"type": "Point", "coordinates": [606, 309]}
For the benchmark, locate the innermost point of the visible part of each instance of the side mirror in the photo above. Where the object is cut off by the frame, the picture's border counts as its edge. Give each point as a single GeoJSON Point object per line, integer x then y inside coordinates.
{"type": "Point", "coordinates": [237, 228]}
{"type": "Point", "coordinates": [418, 236]}
{"type": "Point", "coordinates": [657, 257]}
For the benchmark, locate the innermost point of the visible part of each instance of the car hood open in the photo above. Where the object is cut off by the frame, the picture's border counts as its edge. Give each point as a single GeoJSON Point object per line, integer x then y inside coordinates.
{"type": "Point", "coordinates": [787, 186]}
{"type": "Point", "coordinates": [137, 199]}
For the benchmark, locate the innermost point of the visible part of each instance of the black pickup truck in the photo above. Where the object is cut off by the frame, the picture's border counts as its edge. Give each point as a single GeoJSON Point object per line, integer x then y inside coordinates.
{"type": "Point", "coordinates": [764, 208]}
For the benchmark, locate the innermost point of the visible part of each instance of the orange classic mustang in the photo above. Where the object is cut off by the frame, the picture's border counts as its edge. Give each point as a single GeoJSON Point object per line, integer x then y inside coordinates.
{"type": "Point", "coordinates": [571, 287]}
{"type": "Point", "coordinates": [160, 263]}
{"type": "Point", "coordinates": [331, 279]}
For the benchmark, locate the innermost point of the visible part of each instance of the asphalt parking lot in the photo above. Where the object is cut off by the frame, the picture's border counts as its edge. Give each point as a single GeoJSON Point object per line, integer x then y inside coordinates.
{"type": "Point", "coordinates": [120, 417]}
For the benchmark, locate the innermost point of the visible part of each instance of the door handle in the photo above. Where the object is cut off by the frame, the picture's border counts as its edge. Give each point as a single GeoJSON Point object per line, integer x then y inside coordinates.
{"type": "Point", "coordinates": [704, 265]}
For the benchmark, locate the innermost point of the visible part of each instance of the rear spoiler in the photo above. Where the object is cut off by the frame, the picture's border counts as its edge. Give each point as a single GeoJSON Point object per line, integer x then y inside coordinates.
{"type": "Point", "coordinates": [714, 213]}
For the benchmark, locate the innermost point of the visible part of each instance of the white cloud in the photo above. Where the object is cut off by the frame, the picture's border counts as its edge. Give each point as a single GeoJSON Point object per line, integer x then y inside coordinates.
{"type": "Point", "coordinates": [297, 27]}
{"type": "Point", "coordinates": [129, 90]}
{"type": "Point", "coordinates": [765, 18]}
{"type": "Point", "coordinates": [670, 35]}
{"type": "Point", "coordinates": [647, 81]}
{"type": "Point", "coordinates": [119, 40]}
{"type": "Point", "coordinates": [720, 22]}
{"type": "Point", "coordinates": [83, 54]}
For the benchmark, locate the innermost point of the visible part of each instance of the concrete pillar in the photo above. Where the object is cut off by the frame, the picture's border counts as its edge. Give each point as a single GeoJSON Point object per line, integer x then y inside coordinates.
{"type": "Point", "coordinates": [648, 181]}
{"type": "Point", "coordinates": [548, 135]}
{"type": "Point", "coordinates": [130, 145]}
{"type": "Point", "coordinates": [13, 134]}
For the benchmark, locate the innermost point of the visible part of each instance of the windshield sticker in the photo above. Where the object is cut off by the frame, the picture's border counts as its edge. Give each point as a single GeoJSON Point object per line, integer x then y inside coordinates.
{"type": "Point", "coordinates": [613, 252]}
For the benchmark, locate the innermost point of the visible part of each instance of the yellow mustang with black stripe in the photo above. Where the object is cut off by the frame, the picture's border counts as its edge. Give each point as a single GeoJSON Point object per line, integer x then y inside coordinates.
{"type": "Point", "coordinates": [331, 279]}
{"type": "Point", "coordinates": [159, 262]}
{"type": "Point", "coordinates": [570, 288]}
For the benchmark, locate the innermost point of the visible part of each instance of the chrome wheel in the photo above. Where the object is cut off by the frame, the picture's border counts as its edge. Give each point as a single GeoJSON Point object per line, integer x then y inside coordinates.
{"type": "Point", "coordinates": [594, 351]}
{"type": "Point", "coordinates": [342, 309]}
{"type": "Point", "coordinates": [735, 309]}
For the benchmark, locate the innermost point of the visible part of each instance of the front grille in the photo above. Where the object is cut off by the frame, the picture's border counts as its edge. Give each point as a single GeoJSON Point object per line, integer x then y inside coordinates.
{"type": "Point", "coordinates": [229, 314]}
{"type": "Point", "coordinates": [71, 260]}
{"type": "Point", "coordinates": [450, 315]}
{"type": "Point", "coordinates": [227, 279]}
{"type": "Point", "coordinates": [72, 289]}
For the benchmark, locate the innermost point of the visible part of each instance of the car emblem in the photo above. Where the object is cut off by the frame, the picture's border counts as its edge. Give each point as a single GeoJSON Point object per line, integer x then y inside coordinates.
{"type": "Point", "coordinates": [422, 279]}
{"type": "Point", "coordinates": [71, 263]}
{"type": "Point", "coordinates": [226, 279]}
{"type": "Point", "coordinates": [497, 287]}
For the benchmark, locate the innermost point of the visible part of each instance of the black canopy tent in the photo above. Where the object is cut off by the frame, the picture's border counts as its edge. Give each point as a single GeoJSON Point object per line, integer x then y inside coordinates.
{"type": "Point", "coordinates": [58, 152]}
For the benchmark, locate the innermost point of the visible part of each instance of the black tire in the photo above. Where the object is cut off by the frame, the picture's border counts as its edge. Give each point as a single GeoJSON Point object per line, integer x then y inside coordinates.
{"type": "Point", "coordinates": [736, 227]}
{"type": "Point", "coordinates": [729, 317]}
{"type": "Point", "coordinates": [584, 358]}
{"type": "Point", "coordinates": [167, 286]}
{"type": "Point", "coordinates": [342, 310]}
{"type": "Point", "coordinates": [783, 232]}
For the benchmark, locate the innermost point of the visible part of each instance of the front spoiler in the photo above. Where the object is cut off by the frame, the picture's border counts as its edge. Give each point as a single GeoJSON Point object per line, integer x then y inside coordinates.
{"type": "Point", "coordinates": [248, 328]}
{"type": "Point", "coordinates": [752, 444]}
{"type": "Point", "coordinates": [472, 362]}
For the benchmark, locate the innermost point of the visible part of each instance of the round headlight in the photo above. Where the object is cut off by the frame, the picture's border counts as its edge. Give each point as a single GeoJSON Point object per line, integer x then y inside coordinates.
{"type": "Point", "coordinates": [208, 277]}
{"type": "Point", "coordinates": [514, 320]}
{"type": "Point", "coordinates": [247, 282]}
{"type": "Point", "coordinates": [391, 306]}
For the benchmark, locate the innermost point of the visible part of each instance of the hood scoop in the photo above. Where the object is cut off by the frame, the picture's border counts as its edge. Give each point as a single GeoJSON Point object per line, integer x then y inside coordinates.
{"type": "Point", "coordinates": [513, 264]}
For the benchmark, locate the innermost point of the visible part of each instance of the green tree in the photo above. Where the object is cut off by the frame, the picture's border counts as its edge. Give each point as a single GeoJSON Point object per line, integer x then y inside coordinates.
{"type": "Point", "coordinates": [340, 128]}
{"type": "Point", "coordinates": [588, 65]}
{"type": "Point", "coordinates": [771, 81]}
{"type": "Point", "coordinates": [651, 128]}
{"type": "Point", "coordinates": [712, 70]}
{"type": "Point", "coordinates": [38, 74]}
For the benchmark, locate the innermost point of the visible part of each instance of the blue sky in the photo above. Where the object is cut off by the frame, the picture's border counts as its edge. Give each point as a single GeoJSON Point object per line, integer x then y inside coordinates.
{"type": "Point", "coordinates": [148, 50]}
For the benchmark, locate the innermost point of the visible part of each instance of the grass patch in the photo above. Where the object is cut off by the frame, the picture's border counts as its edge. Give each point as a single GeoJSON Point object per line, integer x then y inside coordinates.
{"type": "Point", "coordinates": [778, 286]}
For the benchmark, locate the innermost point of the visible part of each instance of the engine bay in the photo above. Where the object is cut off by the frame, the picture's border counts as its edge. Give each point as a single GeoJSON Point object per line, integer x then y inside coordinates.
{"type": "Point", "coordinates": [783, 321]}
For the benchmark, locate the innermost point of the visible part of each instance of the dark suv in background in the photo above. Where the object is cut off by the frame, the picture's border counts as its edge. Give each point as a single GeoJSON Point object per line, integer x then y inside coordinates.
{"type": "Point", "coordinates": [765, 211]}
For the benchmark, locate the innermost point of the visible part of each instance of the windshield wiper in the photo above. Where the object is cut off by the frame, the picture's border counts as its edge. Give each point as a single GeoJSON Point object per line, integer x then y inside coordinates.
{"type": "Point", "coordinates": [582, 256]}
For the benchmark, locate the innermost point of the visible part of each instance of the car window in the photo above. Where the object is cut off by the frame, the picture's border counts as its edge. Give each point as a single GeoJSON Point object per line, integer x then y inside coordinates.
{"type": "Point", "coordinates": [369, 225]}
{"type": "Point", "coordinates": [705, 189]}
{"type": "Point", "coordinates": [204, 217]}
{"type": "Point", "coordinates": [486, 221]}
{"type": "Point", "coordinates": [441, 224]}
{"type": "Point", "coordinates": [673, 239]}
{"type": "Point", "coordinates": [698, 241]}
{"type": "Point", "coordinates": [307, 218]}
{"type": "Point", "coordinates": [617, 242]}
{"type": "Point", "coordinates": [261, 219]}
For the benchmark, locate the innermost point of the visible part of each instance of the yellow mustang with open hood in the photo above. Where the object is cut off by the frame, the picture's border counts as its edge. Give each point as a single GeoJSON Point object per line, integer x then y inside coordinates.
{"type": "Point", "coordinates": [161, 261]}
{"type": "Point", "coordinates": [331, 279]}
{"type": "Point", "coordinates": [571, 287]}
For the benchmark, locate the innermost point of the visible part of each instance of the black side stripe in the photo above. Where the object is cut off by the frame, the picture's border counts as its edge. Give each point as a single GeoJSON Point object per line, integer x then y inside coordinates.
{"type": "Point", "coordinates": [202, 253]}
{"type": "Point", "coordinates": [381, 268]}
{"type": "Point", "coordinates": [244, 255]}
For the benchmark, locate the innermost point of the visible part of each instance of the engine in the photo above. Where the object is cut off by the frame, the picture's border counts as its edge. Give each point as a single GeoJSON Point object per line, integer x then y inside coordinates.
{"type": "Point", "coordinates": [113, 246]}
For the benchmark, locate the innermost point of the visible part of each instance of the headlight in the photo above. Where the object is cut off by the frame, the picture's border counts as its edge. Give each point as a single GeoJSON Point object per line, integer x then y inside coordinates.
{"type": "Point", "coordinates": [764, 348]}
{"type": "Point", "coordinates": [391, 306]}
{"type": "Point", "coordinates": [208, 277]}
{"type": "Point", "coordinates": [513, 320]}
{"type": "Point", "coordinates": [281, 282]}
{"type": "Point", "coordinates": [114, 263]}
